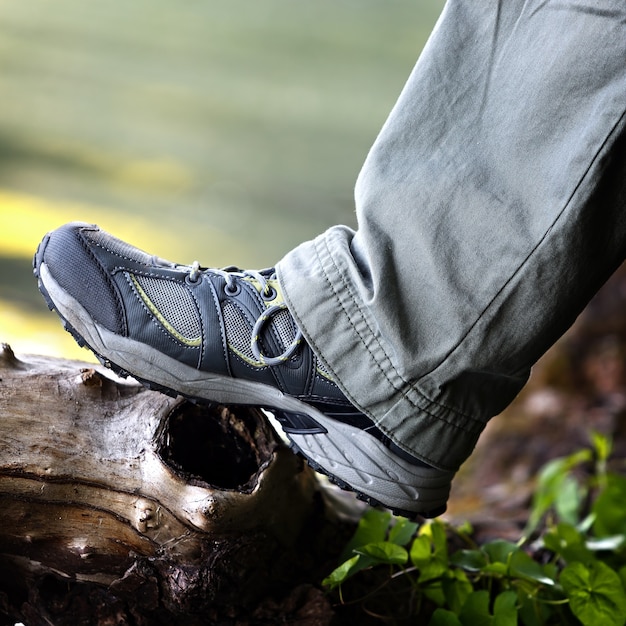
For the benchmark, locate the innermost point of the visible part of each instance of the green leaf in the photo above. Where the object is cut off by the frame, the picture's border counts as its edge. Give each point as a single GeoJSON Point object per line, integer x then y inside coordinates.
{"type": "Point", "coordinates": [465, 528]}
{"type": "Point", "coordinates": [341, 573]}
{"type": "Point", "coordinates": [595, 593]}
{"type": "Point", "coordinates": [568, 543]}
{"type": "Point", "coordinates": [402, 531]}
{"type": "Point", "coordinates": [505, 609]}
{"type": "Point", "coordinates": [551, 570]}
{"type": "Point", "coordinates": [534, 611]}
{"type": "Point", "coordinates": [371, 529]}
{"type": "Point", "coordinates": [475, 611]}
{"type": "Point", "coordinates": [499, 550]}
{"type": "Point", "coordinates": [421, 550]}
{"type": "Point", "coordinates": [434, 569]}
{"type": "Point", "coordinates": [469, 560]}
{"type": "Point", "coordinates": [549, 485]}
{"type": "Point", "coordinates": [497, 569]}
{"type": "Point", "coordinates": [609, 509]}
{"type": "Point", "coordinates": [602, 445]}
{"type": "Point", "coordinates": [622, 575]}
{"type": "Point", "coordinates": [430, 558]}
{"type": "Point", "coordinates": [456, 589]}
{"type": "Point", "coordinates": [523, 566]}
{"type": "Point", "coordinates": [385, 552]}
{"type": "Point", "coordinates": [443, 617]}
{"type": "Point", "coordinates": [568, 500]}
{"type": "Point", "coordinates": [440, 539]}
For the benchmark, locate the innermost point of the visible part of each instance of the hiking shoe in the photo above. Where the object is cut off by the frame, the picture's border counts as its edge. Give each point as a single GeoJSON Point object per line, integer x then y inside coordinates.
{"type": "Point", "coordinates": [224, 336]}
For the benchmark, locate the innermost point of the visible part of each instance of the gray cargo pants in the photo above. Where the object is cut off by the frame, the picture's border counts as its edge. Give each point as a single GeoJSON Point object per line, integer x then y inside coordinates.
{"type": "Point", "coordinates": [491, 208]}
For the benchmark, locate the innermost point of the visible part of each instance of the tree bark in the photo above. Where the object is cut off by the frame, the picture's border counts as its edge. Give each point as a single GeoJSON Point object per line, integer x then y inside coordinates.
{"type": "Point", "coordinates": [121, 505]}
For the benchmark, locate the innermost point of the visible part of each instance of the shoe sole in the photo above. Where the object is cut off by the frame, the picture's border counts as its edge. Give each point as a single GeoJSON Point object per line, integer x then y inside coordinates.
{"type": "Point", "coordinates": [346, 454]}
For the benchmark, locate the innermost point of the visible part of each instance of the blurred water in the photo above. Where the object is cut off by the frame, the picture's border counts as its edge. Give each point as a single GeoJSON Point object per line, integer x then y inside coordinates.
{"type": "Point", "coordinates": [227, 132]}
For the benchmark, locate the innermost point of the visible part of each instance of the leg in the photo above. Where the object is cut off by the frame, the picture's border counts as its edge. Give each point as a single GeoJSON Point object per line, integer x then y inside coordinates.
{"type": "Point", "coordinates": [491, 208]}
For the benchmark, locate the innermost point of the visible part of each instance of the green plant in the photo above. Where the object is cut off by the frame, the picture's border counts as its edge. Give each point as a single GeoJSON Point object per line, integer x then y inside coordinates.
{"type": "Point", "coordinates": [569, 566]}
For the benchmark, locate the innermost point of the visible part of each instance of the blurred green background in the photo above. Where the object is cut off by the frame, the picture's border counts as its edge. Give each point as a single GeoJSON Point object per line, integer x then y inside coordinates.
{"type": "Point", "coordinates": [226, 132]}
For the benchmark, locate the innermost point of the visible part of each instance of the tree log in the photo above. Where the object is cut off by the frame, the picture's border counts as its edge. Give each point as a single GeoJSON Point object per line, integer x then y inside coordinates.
{"type": "Point", "coordinates": [123, 505]}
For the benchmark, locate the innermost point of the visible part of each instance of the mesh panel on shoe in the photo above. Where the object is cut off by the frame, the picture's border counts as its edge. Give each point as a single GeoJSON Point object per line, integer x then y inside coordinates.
{"type": "Point", "coordinates": [283, 324]}
{"type": "Point", "coordinates": [117, 246]}
{"type": "Point", "coordinates": [174, 303]}
{"type": "Point", "coordinates": [238, 330]}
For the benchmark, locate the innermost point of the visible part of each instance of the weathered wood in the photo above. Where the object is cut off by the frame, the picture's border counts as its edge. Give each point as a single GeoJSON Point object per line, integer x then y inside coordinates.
{"type": "Point", "coordinates": [160, 508]}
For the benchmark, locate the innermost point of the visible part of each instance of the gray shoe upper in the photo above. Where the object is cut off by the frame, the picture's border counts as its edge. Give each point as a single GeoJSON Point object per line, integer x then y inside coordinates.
{"type": "Point", "coordinates": [204, 318]}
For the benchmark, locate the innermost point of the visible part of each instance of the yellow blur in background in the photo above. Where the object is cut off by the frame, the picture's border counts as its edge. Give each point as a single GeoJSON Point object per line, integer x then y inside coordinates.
{"type": "Point", "coordinates": [24, 321]}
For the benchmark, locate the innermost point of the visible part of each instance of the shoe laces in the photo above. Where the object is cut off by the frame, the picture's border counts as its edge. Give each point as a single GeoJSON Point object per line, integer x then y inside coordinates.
{"type": "Point", "coordinates": [268, 293]}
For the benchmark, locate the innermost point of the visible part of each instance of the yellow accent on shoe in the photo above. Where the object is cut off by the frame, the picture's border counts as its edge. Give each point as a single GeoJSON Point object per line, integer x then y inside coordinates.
{"type": "Point", "coordinates": [192, 342]}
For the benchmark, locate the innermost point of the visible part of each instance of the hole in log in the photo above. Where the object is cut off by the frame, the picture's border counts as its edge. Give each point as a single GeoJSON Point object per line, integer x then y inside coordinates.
{"type": "Point", "coordinates": [216, 447]}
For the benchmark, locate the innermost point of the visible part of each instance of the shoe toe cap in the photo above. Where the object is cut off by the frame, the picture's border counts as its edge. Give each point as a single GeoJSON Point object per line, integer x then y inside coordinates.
{"type": "Point", "coordinates": [75, 265]}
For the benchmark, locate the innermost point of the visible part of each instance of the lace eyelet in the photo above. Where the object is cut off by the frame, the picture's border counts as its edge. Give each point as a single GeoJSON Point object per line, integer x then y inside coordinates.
{"type": "Point", "coordinates": [232, 290]}
{"type": "Point", "coordinates": [269, 294]}
{"type": "Point", "coordinates": [195, 274]}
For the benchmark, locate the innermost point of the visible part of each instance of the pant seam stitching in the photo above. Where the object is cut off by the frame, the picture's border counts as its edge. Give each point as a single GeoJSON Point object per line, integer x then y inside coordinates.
{"type": "Point", "coordinates": [403, 393]}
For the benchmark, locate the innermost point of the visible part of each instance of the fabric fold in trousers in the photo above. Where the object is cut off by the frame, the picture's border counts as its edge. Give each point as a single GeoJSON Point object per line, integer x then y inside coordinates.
{"type": "Point", "coordinates": [490, 209]}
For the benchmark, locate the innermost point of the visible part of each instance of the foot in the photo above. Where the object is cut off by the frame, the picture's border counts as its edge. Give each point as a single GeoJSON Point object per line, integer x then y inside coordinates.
{"type": "Point", "coordinates": [224, 336]}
